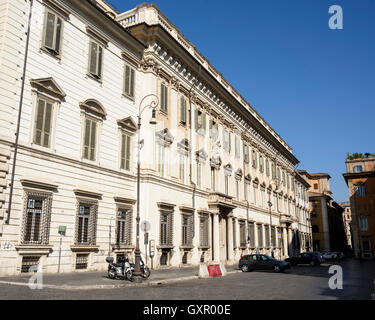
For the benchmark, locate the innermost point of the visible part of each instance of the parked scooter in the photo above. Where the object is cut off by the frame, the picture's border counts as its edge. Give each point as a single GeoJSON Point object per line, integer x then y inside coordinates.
{"type": "Point", "coordinates": [120, 270]}
{"type": "Point", "coordinates": [144, 269]}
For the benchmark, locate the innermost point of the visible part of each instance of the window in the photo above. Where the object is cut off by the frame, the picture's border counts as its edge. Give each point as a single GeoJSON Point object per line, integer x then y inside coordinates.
{"type": "Point", "coordinates": [161, 160]}
{"type": "Point", "coordinates": [183, 110]}
{"type": "Point", "coordinates": [360, 191]}
{"type": "Point", "coordinates": [226, 184]}
{"type": "Point", "coordinates": [82, 261]}
{"type": "Point", "coordinates": [237, 190]}
{"type": "Point", "coordinates": [267, 235]}
{"type": "Point", "coordinates": [260, 236]}
{"type": "Point", "coordinates": [261, 164]}
{"type": "Point", "coordinates": [237, 147]}
{"type": "Point", "coordinates": [242, 234]}
{"type": "Point", "coordinates": [254, 157]}
{"type": "Point", "coordinates": [199, 175]}
{"type": "Point", "coordinates": [182, 168]}
{"type": "Point", "coordinates": [203, 231]}
{"type": "Point", "coordinates": [226, 140]}
{"type": "Point", "coordinates": [252, 234]}
{"type": "Point", "coordinates": [255, 190]}
{"type": "Point", "coordinates": [95, 60]}
{"type": "Point", "coordinates": [129, 81]}
{"type": "Point", "coordinates": [89, 147]}
{"type": "Point", "coordinates": [34, 213]}
{"type": "Point", "coordinates": [246, 153]}
{"type": "Point", "coordinates": [187, 238]}
{"type": "Point", "coordinates": [316, 187]}
{"type": "Point", "coordinates": [164, 98]}
{"type": "Point", "coordinates": [86, 223]}
{"type": "Point", "coordinates": [284, 179]}
{"type": "Point", "coordinates": [213, 179]}
{"type": "Point", "coordinates": [267, 168]}
{"type": "Point", "coordinates": [36, 218]}
{"type": "Point", "coordinates": [287, 181]}
{"type": "Point", "coordinates": [246, 190]}
{"type": "Point", "coordinates": [166, 226]}
{"type": "Point", "coordinates": [366, 245]}
{"type": "Point", "coordinates": [357, 169]}
{"type": "Point", "coordinates": [273, 168]}
{"type": "Point", "coordinates": [273, 236]}
{"type": "Point", "coordinates": [200, 122]}
{"type": "Point", "coordinates": [126, 147]}
{"type": "Point", "coordinates": [43, 123]}
{"type": "Point", "coordinates": [315, 229]}
{"type": "Point", "coordinates": [234, 233]}
{"type": "Point", "coordinates": [214, 131]}
{"type": "Point", "coordinates": [52, 33]}
{"type": "Point", "coordinates": [123, 230]}
{"type": "Point", "coordinates": [363, 223]}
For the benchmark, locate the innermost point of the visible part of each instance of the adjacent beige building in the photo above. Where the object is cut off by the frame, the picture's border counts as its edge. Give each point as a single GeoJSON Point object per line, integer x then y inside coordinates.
{"type": "Point", "coordinates": [216, 180]}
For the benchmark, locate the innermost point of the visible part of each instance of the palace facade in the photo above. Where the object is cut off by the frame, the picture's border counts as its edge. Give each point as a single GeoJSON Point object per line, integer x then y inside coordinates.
{"type": "Point", "coordinates": [216, 180]}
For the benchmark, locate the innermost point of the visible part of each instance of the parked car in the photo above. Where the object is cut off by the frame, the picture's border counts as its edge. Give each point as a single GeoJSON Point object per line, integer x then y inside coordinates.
{"type": "Point", "coordinates": [262, 262]}
{"type": "Point", "coordinates": [339, 255]}
{"type": "Point", "coordinates": [329, 256]}
{"type": "Point", "coordinates": [311, 258]}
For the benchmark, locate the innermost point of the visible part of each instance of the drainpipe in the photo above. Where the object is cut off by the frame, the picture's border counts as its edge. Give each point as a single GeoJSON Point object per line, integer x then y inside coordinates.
{"type": "Point", "coordinates": [19, 116]}
{"type": "Point", "coordinates": [247, 206]}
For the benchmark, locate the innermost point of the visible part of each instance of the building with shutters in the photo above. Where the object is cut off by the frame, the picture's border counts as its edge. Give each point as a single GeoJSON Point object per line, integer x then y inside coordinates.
{"type": "Point", "coordinates": [216, 180]}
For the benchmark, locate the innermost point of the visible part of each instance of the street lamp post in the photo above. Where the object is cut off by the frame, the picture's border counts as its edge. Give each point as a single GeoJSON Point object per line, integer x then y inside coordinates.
{"type": "Point", "coordinates": [270, 231]}
{"type": "Point", "coordinates": [137, 276]}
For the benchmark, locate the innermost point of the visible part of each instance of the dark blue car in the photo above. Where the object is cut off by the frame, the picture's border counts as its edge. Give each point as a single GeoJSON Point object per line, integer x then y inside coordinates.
{"type": "Point", "coordinates": [255, 262]}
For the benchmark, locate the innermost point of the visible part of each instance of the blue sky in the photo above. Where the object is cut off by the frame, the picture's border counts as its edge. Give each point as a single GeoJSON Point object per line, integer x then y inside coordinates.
{"type": "Point", "coordinates": [315, 86]}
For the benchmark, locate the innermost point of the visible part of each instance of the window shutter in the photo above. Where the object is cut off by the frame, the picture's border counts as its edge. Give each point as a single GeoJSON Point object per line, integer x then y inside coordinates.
{"type": "Point", "coordinates": [93, 141]}
{"type": "Point", "coordinates": [127, 154]}
{"type": "Point", "coordinates": [127, 80]}
{"type": "Point", "coordinates": [132, 82]}
{"type": "Point", "coordinates": [86, 144]}
{"type": "Point", "coordinates": [47, 124]}
{"type": "Point", "coordinates": [58, 35]}
{"type": "Point", "coordinates": [182, 110]}
{"type": "Point", "coordinates": [203, 121]}
{"type": "Point", "coordinates": [123, 145]}
{"type": "Point", "coordinates": [49, 30]}
{"type": "Point", "coordinates": [93, 57]}
{"type": "Point", "coordinates": [165, 98]}
{"type": "Point", "coordinates": [100, 61]}
{"type": "Point", "coordinates": [39, 122]}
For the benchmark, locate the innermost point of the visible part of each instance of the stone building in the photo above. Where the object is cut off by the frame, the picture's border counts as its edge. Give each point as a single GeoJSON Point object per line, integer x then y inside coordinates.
{"type": "Point", "coordinates": [360, 178]}
{"type": "Point", "coordinates": [347, 219]}
{"type": "Point", "coordinates": [326, 215]}
{"type": "Point", "coordinates": [216, 180]}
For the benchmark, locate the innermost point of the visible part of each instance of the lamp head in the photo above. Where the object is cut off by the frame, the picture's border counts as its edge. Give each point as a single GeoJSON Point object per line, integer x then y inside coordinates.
{"type": "Point", "coordinates": [153, 117]}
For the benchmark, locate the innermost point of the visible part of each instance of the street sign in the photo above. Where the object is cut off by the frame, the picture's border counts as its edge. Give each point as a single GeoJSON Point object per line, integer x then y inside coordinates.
{"type": "Point", "coordinates": [62, 230]}
{"type": "Point", "coordinates": [145, 226]}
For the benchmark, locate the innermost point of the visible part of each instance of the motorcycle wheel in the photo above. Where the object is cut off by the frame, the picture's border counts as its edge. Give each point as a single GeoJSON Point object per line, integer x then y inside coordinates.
{"type": "Point", "coordinates": [111, 274]}
{"type": "Point", "coordinates": [129, 275]}
{"type": "Point", "coordinates": [146, 273]}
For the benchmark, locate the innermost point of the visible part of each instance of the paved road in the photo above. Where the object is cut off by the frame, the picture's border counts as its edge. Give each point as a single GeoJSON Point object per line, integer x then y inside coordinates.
{"type": "Point", "coordinates": [302, 282]}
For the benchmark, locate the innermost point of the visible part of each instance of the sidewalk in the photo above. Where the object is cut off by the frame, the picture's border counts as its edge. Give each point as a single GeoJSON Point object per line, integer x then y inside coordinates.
{"type": "Point", "coordinates": [99, 280]}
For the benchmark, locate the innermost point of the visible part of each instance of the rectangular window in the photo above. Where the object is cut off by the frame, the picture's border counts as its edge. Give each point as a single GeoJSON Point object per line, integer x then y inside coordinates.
{"type": "Point", "coordinates": [242, 234]}
{"type": "Point", "coordinates": [255, 190]}
{"type": "Point", "coordinates": [161, 160]}
{"type": "Point", "coordinates": [234, 233]}
{"type": "Point", "coordinates": [52, 33]}
{"type": "Point", "coordinates": [254, 157]}
{"type": "Point", "coordinates": [246, 154]}
{"type": "Point", "coordinates": [226, 184]}
{"type": "Point", "coordinates": [95, 59]}
{"type": "Point", "coordinates": [237, 147]}
{"type": "Point", "coordinates": [166, 226]}
{"type": "Point", "coordinates": [187, 238]}
{"type": "Point", "coordinates": [360, 191]}
{"type": "Point", "coordinates": [43, 123]}
{"type": "Point", "coordinates": [89, 146]}
{"type": "Point", "coordinates": [267, 235]}
{"type": "Point", "coordinates": [363, 223]}
{"type": "Point", "coordinates": [123, 230]}
{"type": "Point", "coordinates": [203, 232]}
{"type": "Point", "coordinates": [357, 169]}
{"type": "Point", "coordinates": [273, 237]}
{"type": "Point", "coordinates": [287, 181]}
{"type": "Point", "coordinates": [214, 130]}
{"type": "Point", "coordinates": [125, 151]}
{"type": "Point", "coordinates": [83, 224]}
{"type": "Point", "coordinates": [183, 109]}
{"type": "Point", "coordinates": [34, 213]}
{"type": "Point", "coordinates": [246, 190]}
{"type": "Point", "coordinates": [273, 169]}
{"type": "Point", "coordinates": [267, 168]}
{"type": "Point", "coordinates": [213, 179]}
{"type": "Point", "coordinates": [129, 81]}
{"type": "Point", "coordinates": [226, 140]}
{"type": "Point", "coordinates": [200, 122]}
{"type": "Point", "coordinates": [237, 190]}
{"type": "Point", "coordinates": [260, 236]}
{"type": "Point", "coordinates": [261, 164]}
{"type": "Point", "coordinates": [182, 167]}
{"type": "Point", "coordinates": [252, 234]}
{"type": "Point", "coordinates": [164, 98]}
{"type": "Point", "coordinates": [199, 175]}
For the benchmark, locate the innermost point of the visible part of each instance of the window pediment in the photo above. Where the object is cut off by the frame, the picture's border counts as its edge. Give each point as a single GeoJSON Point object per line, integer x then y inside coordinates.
{"type": "Point", "coordinates": [201, 156]}
{"type": "Point", "coordinates": [93, 106]}
{"type": "Point", "coordinates": [248, 178]}
{"type": "Point", "coordinates": [228, 169]}
{"type": "Point", "coordinates": [216, 162]}
{"type": "Point", "coordinates": [238, 174]}
{"type": "Point", "coordinates": [127, 124]}
{"type": "Point", "coordinates": [48, 86]}
{"type": "Point", "coordinates": [165, 137]}
{"type": "Point", "coordinates": [183, 146]}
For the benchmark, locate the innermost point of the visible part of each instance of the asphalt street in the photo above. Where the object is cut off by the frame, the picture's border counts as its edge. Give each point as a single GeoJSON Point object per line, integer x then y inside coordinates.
{"type": "Point", "coordinates": [301, 282]}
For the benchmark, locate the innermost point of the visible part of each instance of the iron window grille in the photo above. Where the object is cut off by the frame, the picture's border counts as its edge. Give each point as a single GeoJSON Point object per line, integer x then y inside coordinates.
{"type": "Point", "coordinates": [242, 234]}
{"type": "Point", "coordinates": [187, 230]}
{"type": "Point", "coordinates": [37, 217]}
{"type": "Point", "coordinates": [28, 262]}
{"type": "Point", "coordinates": [260, 236]}
{"type": "Point", "coordinates": [166, 229]}
{"type": "Point", "coordinates": [86, 222]}
{"type": "Point", "coordinates": [82, 261]}
{"type": "Point", "coordinates": [203, 231]}
{"type": "Point", "coordinates": [123, 227]}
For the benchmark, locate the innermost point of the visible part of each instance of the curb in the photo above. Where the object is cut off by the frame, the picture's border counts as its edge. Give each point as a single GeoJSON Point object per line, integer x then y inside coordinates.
{"type": "Point", "coordinates": [114, 286]}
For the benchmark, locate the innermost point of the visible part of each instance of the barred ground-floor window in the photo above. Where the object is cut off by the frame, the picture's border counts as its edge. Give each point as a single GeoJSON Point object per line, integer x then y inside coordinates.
{"type": "Point", "coordinates": [252, 234]}
{"type": "Point", "coordinates": [124, 226]}
{"type": "Point", "coordinates": [86, 222]}
{"type": "Point", "coordinates": [260, 236]}
{"type": "Point", "coordinates": [203, 231]}
{"type": "Point", "coordinates": [242, 234]}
